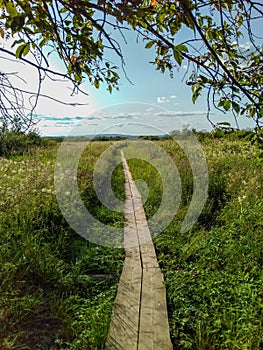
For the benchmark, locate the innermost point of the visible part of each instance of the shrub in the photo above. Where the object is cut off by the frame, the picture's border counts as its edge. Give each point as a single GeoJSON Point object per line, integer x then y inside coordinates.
{"type": "Point", "coordinates": [13, 143]}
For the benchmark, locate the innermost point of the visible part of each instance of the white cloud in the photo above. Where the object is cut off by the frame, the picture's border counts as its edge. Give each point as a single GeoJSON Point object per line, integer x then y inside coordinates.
{"type": "Point", "coordinates": [127, 115]}
{"type": "Point", "coordinates": [179, 113]}
{"type": "Point", "coordinates": [245, 46]}
{"type": "Point", "coordinates": [166, 99]}
{"type": "Point", "coordinates": [162, 99]}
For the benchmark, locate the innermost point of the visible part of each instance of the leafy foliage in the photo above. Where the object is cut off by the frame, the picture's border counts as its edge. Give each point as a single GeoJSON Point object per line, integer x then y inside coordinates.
{"type": "Point", "coordinates": [213, 46]}
{"type": "Point", "coordinates": [15, 142]}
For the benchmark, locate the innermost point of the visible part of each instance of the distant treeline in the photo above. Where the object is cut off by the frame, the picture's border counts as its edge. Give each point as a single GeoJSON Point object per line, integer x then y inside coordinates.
{"type": "Point", "coordinates": [200, 134]}
{"type": "Point", "coordinates": [16, 142]}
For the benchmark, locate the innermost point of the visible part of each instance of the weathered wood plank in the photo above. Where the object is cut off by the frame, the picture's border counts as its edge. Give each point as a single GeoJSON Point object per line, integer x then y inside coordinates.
{"type": "Point", "coordinates": [154, 328]}
{"type": "Point", "coordinates": [123, 333]}
{"type": "Point", "coordinates": [139, 319]}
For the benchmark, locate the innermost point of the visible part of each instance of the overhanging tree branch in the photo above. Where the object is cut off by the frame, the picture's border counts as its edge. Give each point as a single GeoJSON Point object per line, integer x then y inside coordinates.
{"type": "Point", "coordinates": [218, 60]}
{"type": "Point", "coordinates": [80, 31]}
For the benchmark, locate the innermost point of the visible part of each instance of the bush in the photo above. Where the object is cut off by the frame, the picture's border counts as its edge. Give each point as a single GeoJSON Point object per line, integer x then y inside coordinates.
{"type": "Point", "coordinates": [13, 143]}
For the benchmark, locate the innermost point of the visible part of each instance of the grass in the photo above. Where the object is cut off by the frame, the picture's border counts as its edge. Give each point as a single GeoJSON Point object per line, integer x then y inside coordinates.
{"type": "Point", "coordinates": [57, 289]}
{"type": "Point", "coordinates": [213, 274]}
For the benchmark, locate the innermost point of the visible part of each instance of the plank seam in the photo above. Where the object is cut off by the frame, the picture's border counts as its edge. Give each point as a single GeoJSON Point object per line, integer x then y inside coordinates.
{"type": "Point", "coordinates": [127, 174]}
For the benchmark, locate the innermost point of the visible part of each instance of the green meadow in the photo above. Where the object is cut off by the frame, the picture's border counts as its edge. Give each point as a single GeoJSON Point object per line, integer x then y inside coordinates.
{"type": "Point", "coordinates": [57, 289]}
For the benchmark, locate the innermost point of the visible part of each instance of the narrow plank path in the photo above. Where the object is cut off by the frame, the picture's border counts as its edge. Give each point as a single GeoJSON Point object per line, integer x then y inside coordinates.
{"type": "Point", "coordinates": [139, 320]}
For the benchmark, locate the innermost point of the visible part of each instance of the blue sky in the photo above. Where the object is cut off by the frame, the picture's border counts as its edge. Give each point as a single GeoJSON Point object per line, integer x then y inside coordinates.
{"type": "Point", "coordinates": [154, 103]}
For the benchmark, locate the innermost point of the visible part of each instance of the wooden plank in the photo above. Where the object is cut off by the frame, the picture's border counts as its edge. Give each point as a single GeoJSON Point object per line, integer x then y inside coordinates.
{"type": "Point", "coordinates": [124, 325]}
{"type": "Point", "coordinates": [123, 332]}
{"type": "Point", "coordinates": [154, 328]}
{"type": "Point", "coordinates": [139, 319]}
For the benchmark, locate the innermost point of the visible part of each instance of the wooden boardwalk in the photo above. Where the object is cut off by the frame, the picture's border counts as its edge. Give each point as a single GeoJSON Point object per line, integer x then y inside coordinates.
{"type": "Point", "coordinates": [139, 320]}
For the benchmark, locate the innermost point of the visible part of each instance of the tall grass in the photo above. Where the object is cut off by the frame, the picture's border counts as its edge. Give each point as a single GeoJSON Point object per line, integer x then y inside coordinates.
{"type": "Point", "coordinates": [57, 289]}
{"type": "Point", "coordinates": [213, 273]}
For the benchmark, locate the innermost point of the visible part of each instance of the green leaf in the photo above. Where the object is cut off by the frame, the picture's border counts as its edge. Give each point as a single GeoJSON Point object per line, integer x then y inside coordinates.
{"type": "Point", "coordinates": [149, 44]}
{"type": "Point", "coordinates": [11, 9]}
{"type": "Point", "coordinates": [96, 83]}
{"type": "Point", "coordinates": [16, 23]}
{"type": "Point", "coordinates": [177, 52]}
{"type": "Point", "coordinates": [26, 49]}
{"type": "Point", "coordinates": [236, 107]}
{"type": "Point", "coordinates": [227, 105]}
{"type": "Point", "coordinates": [204, 79]}
{"type": "Point", "coordinates": [182, 47]}
{"type": "Point", "coordinates": [22, 50]}
{"type": "Point", "coordinates": [177, 55]}
{"type": "Point", "coordinates": [19, 50]}
{"type": "Point", "coordinates": [196, 93]}
{"type": "Point", "coordinates": [160, 17]}
{"type": "Point", "coordinates": [224, 123]}
{"type": "Point", "coordinates": [63, 10]}
{"type": "Point", "coordinates": [17, 42]}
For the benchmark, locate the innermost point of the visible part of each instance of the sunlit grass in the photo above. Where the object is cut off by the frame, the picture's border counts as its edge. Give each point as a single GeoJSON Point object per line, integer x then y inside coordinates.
{"type": "Point", "coordinates": [50, 295]}
{"type": "Point", "coordinates": [57, 289]}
